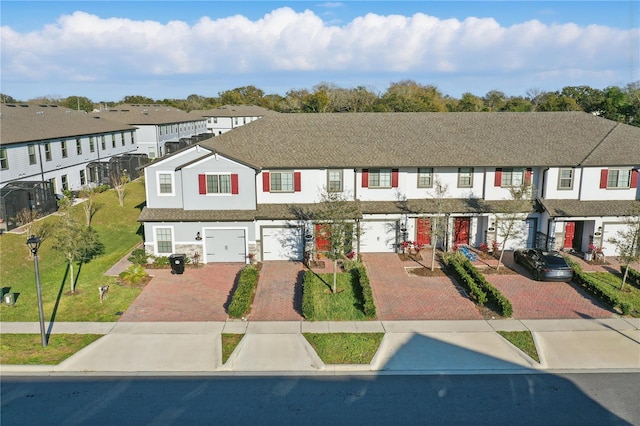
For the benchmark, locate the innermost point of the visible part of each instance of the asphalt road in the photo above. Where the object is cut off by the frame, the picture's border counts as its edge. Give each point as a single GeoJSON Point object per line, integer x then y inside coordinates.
{"type": "Point", "coordinates": [502, 399]}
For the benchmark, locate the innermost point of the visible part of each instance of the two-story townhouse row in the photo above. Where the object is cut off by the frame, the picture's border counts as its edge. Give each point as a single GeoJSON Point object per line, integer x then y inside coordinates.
{"type": "Point", "coordinates": [228, 117]}
{"type": "Point", "coordinates": [46, 149]}
{"type": "Point", "coordinates": [160, 129]}
{"type": "Point", "coordinates": [253, 190]}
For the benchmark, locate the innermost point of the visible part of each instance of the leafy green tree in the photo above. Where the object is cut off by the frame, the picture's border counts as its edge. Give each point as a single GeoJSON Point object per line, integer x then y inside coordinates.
{"type": "Point", "coordinates": [557, 102]}
{"type": "Point", "coordinates": [79, 103]}
{"type": "Point", "coordinates": [494, 100]}
{"type": "Point", "coordinates": [246, 95]}
{"type": "Point", "coordinates": [336, 215]}
{"type": "Point", "coordinates": [6, 99]}
{"type": "Point", "coordinates": [409, 96]}
{"type": "Point", "coordinates": [77, 243]}
{"type": "Point", "coordinates": [470, 103]}
{"type": "Point", "coordinates": [137, 99]}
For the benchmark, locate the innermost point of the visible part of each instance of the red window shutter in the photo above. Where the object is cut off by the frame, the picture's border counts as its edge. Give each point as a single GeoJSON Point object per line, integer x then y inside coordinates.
{"type": "Point", "coordinates": [234, 183]}
{"type": "Point", "coordinates": [202, 183]}
{"type": "Point", "coordinates": [497, 180]}
{"type": "Point", "coordinates": [394, 178]}
{"type": "Point", "coordinates": [265, 182]}
{"type": "Point", "coordinates": [297, 182]}
{"type": "Point", "coordinates": [604, 176]}
{"type": "Point", "coordinates": [527, 176]}
{"type": "Point", "coordinates": [365, 178]}
{"type": "Point", "coordinates": [634, 178]}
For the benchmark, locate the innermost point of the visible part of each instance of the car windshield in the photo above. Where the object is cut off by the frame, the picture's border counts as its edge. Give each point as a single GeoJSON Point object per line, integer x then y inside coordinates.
{"type": "Point", "coordinates": [554, 260]}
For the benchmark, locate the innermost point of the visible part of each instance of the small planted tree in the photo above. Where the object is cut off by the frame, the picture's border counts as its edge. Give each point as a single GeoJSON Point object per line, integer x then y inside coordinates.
{"type": "Point", "coordinates": [627, 242]}
{"type": "Point", "coordinates": [514, 212]}
{"type": "Point", "coordinates": [437, 222]}
{"type": "Point", "coordinates": [336, 215]}
{"type": "Point", "coordinates": [89, 206]}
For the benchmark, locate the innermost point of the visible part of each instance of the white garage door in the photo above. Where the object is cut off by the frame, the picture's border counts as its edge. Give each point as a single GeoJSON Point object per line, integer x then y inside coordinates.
{"type": "Point", "coordinates": [376, 237]}
{"type": "Point", "coordinates": [282, 243]}
{"type": "Point", "coordinates": [225, 245]}
{"type": "Point", "coordinates": [610, 230]}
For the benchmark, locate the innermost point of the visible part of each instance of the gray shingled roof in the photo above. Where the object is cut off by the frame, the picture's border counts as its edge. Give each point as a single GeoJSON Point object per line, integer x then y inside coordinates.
{"type": "Point", "coordinates": [430, 139]}
{"type": "Point", "coordinates": [577, 208]}
{"type": "Point", "coordinates": [147, 114]}
{"type": "Point", "coordinates": [235, 111]}
{"type": "Point", "coordinates": [32, 122]}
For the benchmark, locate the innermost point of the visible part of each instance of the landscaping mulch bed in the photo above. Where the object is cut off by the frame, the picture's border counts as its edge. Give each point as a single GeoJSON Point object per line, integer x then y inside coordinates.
{"type": "Point", "coordinates": [424, 272]}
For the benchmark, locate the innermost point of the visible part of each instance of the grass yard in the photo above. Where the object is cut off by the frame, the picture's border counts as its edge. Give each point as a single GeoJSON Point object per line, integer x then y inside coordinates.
{"type": "Point", "coordinates": [229, 344]}
{"type": "Point", "coordinates": [26, 349]}
{"type": "Point", "coordinates": [119, 231]}
{"type": "Point", "coordinates": [612, 282]}
{"type": "Point", "coordinates": [522, 340]}
{"type": "Point", "coordinates": [345, 305]}
{"type": "Point", "coordinates": [345, 348]}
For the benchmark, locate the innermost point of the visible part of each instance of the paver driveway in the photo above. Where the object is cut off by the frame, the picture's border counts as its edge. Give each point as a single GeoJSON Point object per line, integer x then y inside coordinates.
{"type": "Point", "coordinates": [279, 293]}
{"type": "Point", "coordinates": [200, 294]}
{"type": "Point", "coordinates": [545, 300]}
{"type": "Point", "coordinates": [399, 296]}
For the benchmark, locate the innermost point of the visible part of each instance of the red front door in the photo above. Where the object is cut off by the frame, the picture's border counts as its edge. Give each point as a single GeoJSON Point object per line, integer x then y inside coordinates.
{"type": "Point", "coordinates": [322, 237]}
{"type": "Point", "coordinates": [461, 228]}
{"type": "Point", "coordinates": [423, 231]}
{"type": "Point", "coordinates": [569, 233]}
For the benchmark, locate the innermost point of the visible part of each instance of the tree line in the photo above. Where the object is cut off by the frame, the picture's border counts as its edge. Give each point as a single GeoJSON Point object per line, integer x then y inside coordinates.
{"type": "Point", "coordinates": [620, 104]}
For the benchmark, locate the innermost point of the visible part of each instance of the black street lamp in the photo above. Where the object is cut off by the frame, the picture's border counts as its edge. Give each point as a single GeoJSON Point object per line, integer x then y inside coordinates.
{"type": "Point", "coordinates": [34, 244]}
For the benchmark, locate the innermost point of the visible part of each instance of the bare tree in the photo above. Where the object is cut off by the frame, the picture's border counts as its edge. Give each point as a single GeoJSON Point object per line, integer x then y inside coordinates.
{"type": "Point", "coordinates": [627, 241]}
{"type": "Point", "coordinates": [89, 206]}
{"type": "Point", "coordinates": [439, 194]}
{"type": "Point", "coordinates": [119, 182]}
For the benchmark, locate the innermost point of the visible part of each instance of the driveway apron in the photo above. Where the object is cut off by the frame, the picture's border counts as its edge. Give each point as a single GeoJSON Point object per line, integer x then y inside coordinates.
{"type": "Point", "coordinates": [399, 296]}
{"type": "Point", "coordinates": [279, 293]}
{"type": "Point", "coordinates": [199, 294]}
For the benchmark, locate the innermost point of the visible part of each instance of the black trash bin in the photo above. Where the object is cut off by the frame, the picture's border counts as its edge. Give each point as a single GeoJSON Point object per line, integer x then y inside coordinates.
{"type": "Point", "coordinates": [177, 263]}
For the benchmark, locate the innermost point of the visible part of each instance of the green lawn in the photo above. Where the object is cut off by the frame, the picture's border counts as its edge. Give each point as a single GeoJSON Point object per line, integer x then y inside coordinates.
{"type": "Point", "coordinates": [612, 283]}
{"type": "Point", "coordinates": [345, 348]}
{"type": "Point", "coordinates": [522, 340]}
{"type": "Point", "coordinates": [342, 306]}
{"type": "Point", "coordinates": [119, 232]}
{"type": "Point", "coordinates": [26, 349]}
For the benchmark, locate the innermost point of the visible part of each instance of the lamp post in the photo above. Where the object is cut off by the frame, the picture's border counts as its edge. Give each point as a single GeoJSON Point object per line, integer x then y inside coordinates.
{"type": "Point", "coordinates": [34, 244]}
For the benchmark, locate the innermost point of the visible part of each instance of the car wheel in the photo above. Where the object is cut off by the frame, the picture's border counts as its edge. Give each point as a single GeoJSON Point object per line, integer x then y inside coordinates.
{"type": "Point", "coordinates": [536, 275]}
{"type": "Point", "coordinates": [516, 258]}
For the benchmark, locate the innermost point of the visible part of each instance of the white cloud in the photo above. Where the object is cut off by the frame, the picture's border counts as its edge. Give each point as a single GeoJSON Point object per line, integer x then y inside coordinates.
{"type": "Point", "coordinates": [89, 48]}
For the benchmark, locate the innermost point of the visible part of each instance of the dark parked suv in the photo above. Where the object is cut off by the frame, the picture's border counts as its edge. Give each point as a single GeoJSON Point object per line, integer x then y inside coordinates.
{"type": "Point", "coordinates": [544, 265]}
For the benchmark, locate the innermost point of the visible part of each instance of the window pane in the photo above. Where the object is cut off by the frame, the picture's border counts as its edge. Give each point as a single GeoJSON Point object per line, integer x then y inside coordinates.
{"type": "Point", "coordinates": [335, 180]}
{"type": "Point", "coordinates": [163, 237]}
{"type": "Point", "coordinates": [282, 181]}
{"type": "Point", "coordinates": [165, 183]}
{"type": "Point", "coordinates": [225, 184]}
{"type": "Point", "coordinates": [424, 177]}
{"type": "Point", "coordinates": [380, 178]}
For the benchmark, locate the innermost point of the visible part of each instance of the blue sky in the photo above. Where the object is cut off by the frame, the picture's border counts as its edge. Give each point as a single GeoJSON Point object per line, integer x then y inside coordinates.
{"type": "Point", "coordinates": [106, 50]}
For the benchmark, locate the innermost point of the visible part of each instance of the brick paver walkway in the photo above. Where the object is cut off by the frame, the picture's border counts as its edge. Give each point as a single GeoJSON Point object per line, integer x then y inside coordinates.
{"type": "Point", "coordinates": [279, 293]}
{"type": "Point", "coordinates": [399, 296]}
{"type": "Point", "coordinates": [200, 294]}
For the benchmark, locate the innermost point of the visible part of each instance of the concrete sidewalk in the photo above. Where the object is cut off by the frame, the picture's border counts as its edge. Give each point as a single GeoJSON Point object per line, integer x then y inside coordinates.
{"type": "Point", "coordinates": [408, 347]}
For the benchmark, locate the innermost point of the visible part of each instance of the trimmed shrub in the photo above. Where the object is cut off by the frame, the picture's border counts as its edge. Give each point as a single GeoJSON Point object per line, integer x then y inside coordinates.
{"type": "Point", "coordinates": [359, 274]}
{"type": "Point", "coordinates": [493, 294]}
{"type": "Point", "coordinates": [241, 299]}
{"type": "Point", "coordinates": [455, 262]}
{"type": "Point", "coordinates": [307, 296]}
{"type": "Point", "coordinates": [161, 261]}
{"type": "Point", "coordinates": [139, 257]}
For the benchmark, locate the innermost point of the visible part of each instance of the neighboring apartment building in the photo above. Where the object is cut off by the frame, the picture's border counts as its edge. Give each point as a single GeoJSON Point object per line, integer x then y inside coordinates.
{"type": "Point", "coordinates": [160, 129]}
{"type": "Point", "coordinates": [250, 191]}
{"type": "Point", "coordinates": [228, 117]}
{"type": "Point", "coordinates": [55, 145]}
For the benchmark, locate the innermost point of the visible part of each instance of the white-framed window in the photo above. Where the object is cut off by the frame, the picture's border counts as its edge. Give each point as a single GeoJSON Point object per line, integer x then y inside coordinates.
{"type": "Point", "coordinates": [218, 184]}
{"type": "Point", "coordinates": [4, 161]}
{"type": "Point", "coordinates": [103, 142]}
{"type": "Point", "coordinates": [92, 144]}
{"type": "Point", "coordinates": [63, 148]}
{"type": "Point", "coordinates": [465, 177]}
{"type": "Point", "coordinates": [78, 146]}
{"type": "Point", "coordinates": [32, 154]}
{"type": "Point", "coordinates": [83, 177]}
{"type": "Point", "coordinates": [122, 139]}
{"type": "Point", "coordinates": [512, 177]}
{"type": "Point", "coordinates": [165, 183]}
{"type": "Point", "coordinates": [164, 240]}
{"type": "Point", "coordinates": [281, 181]}
{"type": "Point", "coordinates": [113, 140]}
{"type": "Point", "coordinates": [379, 178]}
{"type": "Point", "coordinates": [65, 183]}
{"type": "Point", "coordinates": [334, 180]}
{"type": "Point", "coordinates": [425, 177]}
{"type": "Point", "coordinates": [133, 139]}
{"type": "Point", "coordinates": [47, 151]}
{"type": "Point", "coordinates": [565, 179]}
{"type": "Point", "coordinates": [619, 178]}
